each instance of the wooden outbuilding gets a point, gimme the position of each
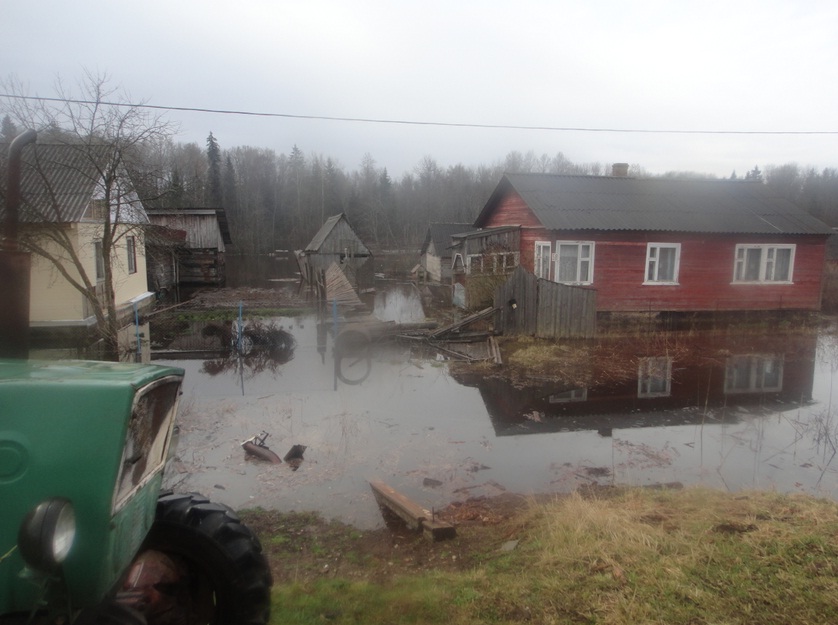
(189, 247)
(336, 242)
(435, 257)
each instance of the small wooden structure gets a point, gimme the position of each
(337, 243)
(436, 253)
(204, 235)
(416, 517)
(533, 306)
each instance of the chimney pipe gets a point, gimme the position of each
(14, 264)
(620, 170)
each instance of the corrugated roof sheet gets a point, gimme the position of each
(656, 204)
(58, 181)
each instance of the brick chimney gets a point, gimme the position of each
(620, 170)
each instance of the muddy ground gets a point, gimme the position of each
(303, 547)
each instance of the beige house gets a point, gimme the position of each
(62, 201)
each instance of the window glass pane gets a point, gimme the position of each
(753, 258)
(568, 256)
(782, 265)
(666, 264)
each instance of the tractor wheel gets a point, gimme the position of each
(200, 565)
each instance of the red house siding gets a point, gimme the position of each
(705, 281)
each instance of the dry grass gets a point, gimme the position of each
(618, 558)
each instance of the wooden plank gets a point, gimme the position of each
(411, 513)
(414, 515)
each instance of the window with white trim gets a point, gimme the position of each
(131, 246)
(654, 376)
(754, 373)
(574, 262)
(99, 260)
(763, 263)
(492, 262)
(542, 259)
(662, 263)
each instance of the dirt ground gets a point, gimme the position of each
(302, 547)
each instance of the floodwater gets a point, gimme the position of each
(729, 411)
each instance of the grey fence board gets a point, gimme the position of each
(544, 309)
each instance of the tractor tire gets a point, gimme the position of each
(224, 579)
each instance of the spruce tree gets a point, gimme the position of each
(213, 194)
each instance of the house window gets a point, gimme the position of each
(574, 262)
(764, 263)
(754, 374)
(475, 263)
(654, 377)
(131, 245)
(494, 262)
(662, 262)
(457, 265)
(542, 259)
(100, 261)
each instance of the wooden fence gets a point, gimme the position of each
(536, 307)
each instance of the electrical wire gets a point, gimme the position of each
(365, 120)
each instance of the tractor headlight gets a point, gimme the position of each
(46, 534)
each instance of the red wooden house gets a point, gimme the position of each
(655, 244)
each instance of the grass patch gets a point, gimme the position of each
(621, 557)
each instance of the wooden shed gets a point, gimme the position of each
(336, 242)
(203, 234)
(435, 257)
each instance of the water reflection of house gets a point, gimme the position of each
(629, 385)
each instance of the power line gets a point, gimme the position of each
(366, 120)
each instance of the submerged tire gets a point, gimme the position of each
(227, 580)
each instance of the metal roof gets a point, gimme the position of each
(58, 181)
(654, 204)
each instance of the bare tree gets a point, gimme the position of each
(105, 136)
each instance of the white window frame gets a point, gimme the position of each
(653, 263)
(131, 248)
(543, 259)
(579, 261)
(754, 372)
(472, 261)
(491, 263)
(767, 262)
(650, 372)
(99, 261)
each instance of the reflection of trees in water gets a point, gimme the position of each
(261, 347)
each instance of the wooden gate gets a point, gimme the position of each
(529, 305)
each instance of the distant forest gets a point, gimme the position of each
(279, 201)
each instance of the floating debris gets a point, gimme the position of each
(294, 457)
(255, 447)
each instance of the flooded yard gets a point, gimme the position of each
(725, 411)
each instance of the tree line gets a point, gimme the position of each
(279, 200)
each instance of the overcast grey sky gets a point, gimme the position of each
(741, 65)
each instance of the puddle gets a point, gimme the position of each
(727, 412)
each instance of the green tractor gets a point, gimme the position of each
(86, 536)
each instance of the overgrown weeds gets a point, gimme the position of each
(621, 557)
